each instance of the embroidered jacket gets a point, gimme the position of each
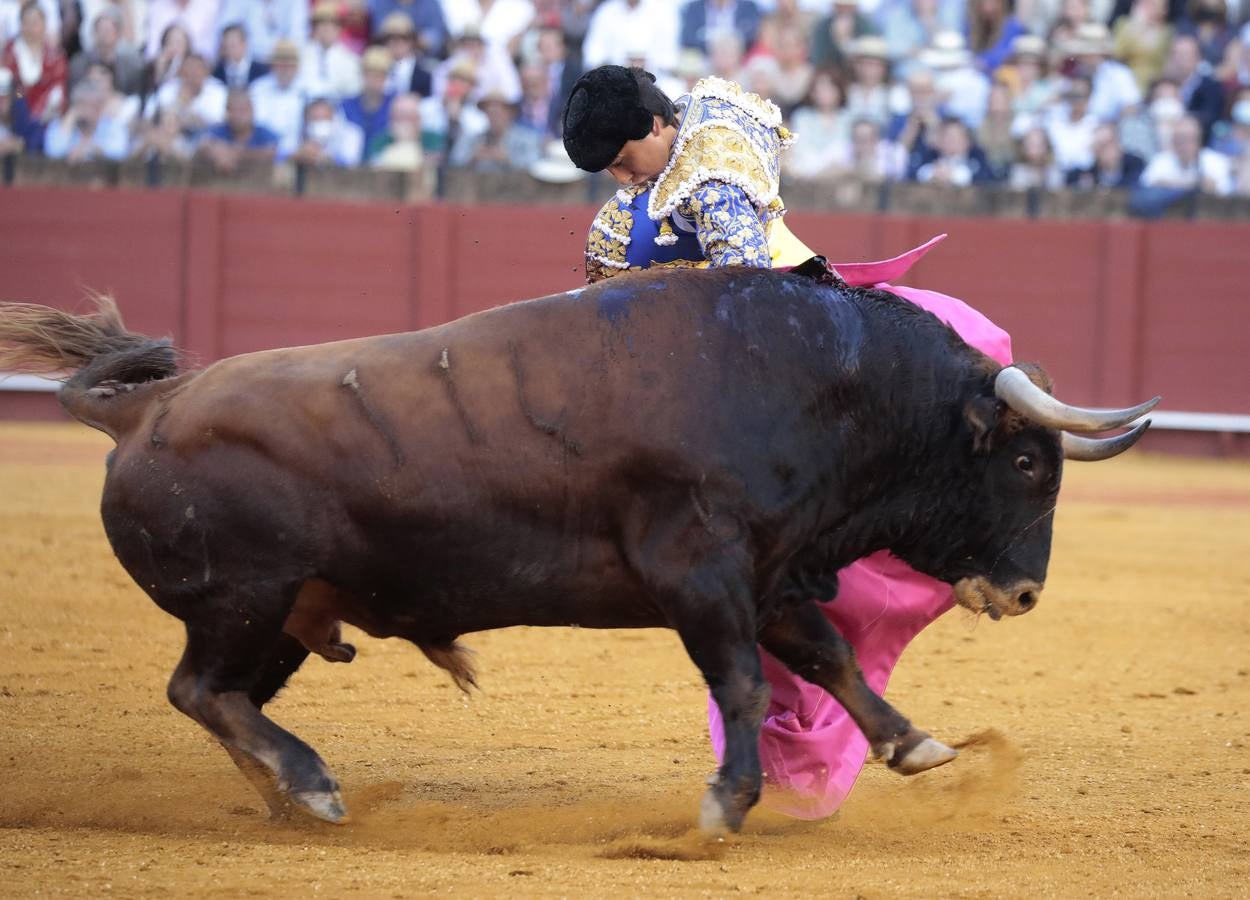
(715, 203)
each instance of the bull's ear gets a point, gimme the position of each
(983, 415)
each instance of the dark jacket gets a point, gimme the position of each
(1127, 176)
(254, 70)
(694, 24)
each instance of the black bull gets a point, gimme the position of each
(692, 450)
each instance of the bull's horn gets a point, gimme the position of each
(1086, 449)
(1014, 388)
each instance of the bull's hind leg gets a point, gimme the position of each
(235, 660)
(804, 640)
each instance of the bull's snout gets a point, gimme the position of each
(980, 596)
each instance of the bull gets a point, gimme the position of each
(690, 450)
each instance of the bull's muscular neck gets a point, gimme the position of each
(895, 442)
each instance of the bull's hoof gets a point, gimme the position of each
(327, 806)
(928, 754)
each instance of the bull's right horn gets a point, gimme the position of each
(1014, 388)
(1085, 449)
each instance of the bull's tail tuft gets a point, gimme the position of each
(457, 659)
(93, 353)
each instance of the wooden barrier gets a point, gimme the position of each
(1116, 310)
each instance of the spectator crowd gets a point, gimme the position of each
(1024, 93)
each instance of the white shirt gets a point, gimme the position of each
(209, 105)
(965, 93)
(1073, 142)
(333, 72)
(280, 109)
(618, 31)
(267, 22)
(1166, 170)
(198, 17)
(1115, 89)
(505, 20)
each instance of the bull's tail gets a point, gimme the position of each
(457, 659)
(101, 361)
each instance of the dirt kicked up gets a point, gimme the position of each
(1107, 733)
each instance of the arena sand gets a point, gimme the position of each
(1108, 733)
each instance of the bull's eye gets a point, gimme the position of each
(1024, 463)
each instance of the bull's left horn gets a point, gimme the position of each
(1085, 449)
(1014, 388)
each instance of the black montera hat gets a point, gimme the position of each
(604, 111)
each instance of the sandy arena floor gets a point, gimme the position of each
(1118, 763)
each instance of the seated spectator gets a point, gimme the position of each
(427, 17)
(371, 109)
(1147, 129)
(908, 26)
(11, 13)
(794, 75)
(1202, 95)
(564, 67)
(195, 97)
(1034, 165)
(1142, 39)
(327, 67)
(785, 14)
(238, 139)
(12, 139)
(760, 76)
(107, 47)
(410, 73)
(37, 64)
(725, 55)
(1114, 87)
(175, 46)
(118, 107)
(868, 95)
(959, 162)
(278, 98)
(162, 140)
(1233, 139)
(1070, 126)
(328, 139)
(1028, 76)
(654, 23)
(1187, 165)
(1112, 168)
(700, 19)
(446, 117)
(823, 128)
(267, 22)
(84, 133)
(504, 146)
(198, 18)
(995, 135)
(916, 131)
(501, 23)
(992, 28)
(872, 157)
(496, 73)
(963, 90)
(839, 30)
(131, 14)
(399, 147)
(236, 68)
(1208, 23)
(536, 99)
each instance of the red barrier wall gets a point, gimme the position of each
(1114, 310)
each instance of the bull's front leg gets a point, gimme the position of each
(810, 647)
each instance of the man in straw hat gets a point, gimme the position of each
(371, 109)
(1115, 88)
(699, 187)
(327, 67)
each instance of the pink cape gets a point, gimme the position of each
(810, 749)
